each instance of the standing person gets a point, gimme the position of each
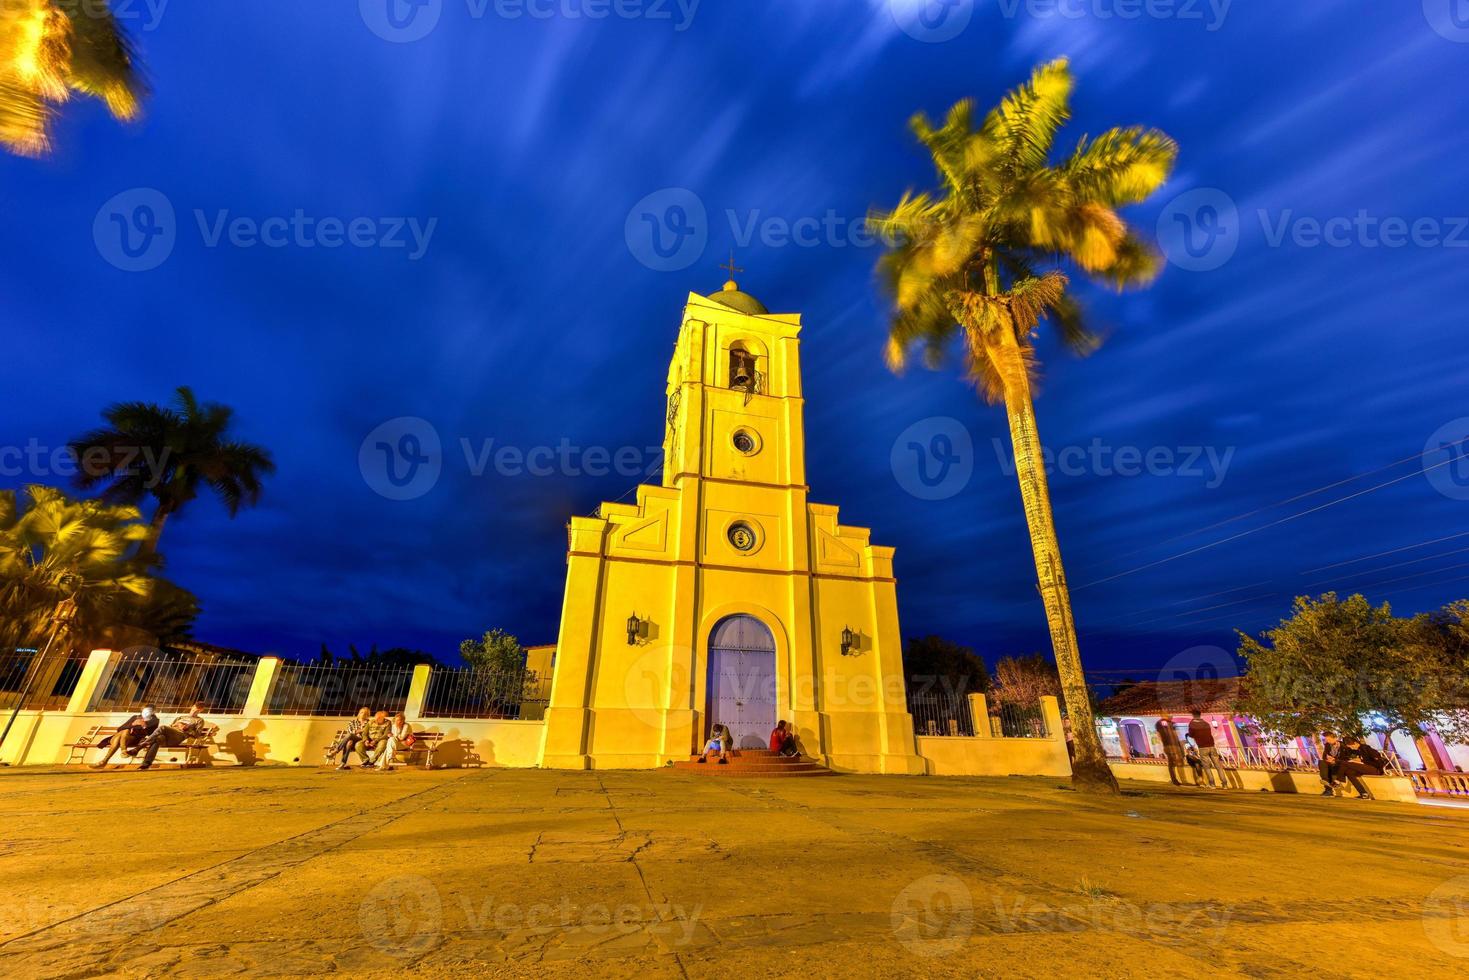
(129, 735)
(1203, 738)
(1172, 750)
(353, 738)
(399, 738)
(184, 727)
(1330, 762)
(1359, 759)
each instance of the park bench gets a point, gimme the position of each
(424, 744)
(195, 750)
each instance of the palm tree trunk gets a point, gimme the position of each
(1089, 770)
(148, 547)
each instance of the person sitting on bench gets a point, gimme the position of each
(1359, 759)
(719, 744)
(783, 740)
(184, 727)
(375, 738)
(354, 738)
(129, 735)
(399, 739)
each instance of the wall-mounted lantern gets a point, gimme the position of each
(637, 629)
(849, 641)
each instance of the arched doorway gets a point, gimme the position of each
(742, 680)
(1137, 738)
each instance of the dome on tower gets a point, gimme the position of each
(731, 297)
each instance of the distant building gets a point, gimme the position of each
(1127, 724)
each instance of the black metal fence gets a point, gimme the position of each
(476, 692)
(46, 683)
(338, 689)
(173, 681)
(1018, 719)
(941, 714)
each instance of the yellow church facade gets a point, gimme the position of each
(725, 595)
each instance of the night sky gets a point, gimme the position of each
(1267, 362)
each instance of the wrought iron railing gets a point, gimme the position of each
(338, 689)
(174, 681)
(1018, 719)
(477, 692)
(941, 714)
(45, 682)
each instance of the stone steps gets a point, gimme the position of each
(761, 763)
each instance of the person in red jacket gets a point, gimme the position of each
(782, 741)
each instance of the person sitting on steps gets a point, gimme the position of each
(783, 740)
(719, 744)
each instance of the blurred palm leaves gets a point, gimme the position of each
(50, 49)
(983, 255)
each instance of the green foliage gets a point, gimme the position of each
(1351, 667)
(57, 550)
(972, 260)
(497, 650)
(932, 663)
(170, 454)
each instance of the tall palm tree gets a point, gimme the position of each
(50, 49)
(982, 259)
(170, 454)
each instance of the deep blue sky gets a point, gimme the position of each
(530, 319)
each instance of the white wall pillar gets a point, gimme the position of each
(260, 686)
(417, 692)
(979, 713)
(87, 684)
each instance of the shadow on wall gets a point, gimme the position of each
(455, 752)
(245, 744)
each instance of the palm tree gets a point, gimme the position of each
(52, 48)
(59, 551)
(170, 454)
(982, 259)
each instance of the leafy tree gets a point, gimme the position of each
(58, 549)
(50, 49)
(932, 662)
(1349, 666)
(978, 262)
(497, 650)
(1026, 679)
(170, 454)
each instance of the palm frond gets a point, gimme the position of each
(1122, 166)
(1024, 124)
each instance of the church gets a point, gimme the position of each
(725, 595)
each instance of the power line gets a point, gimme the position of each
(1384, 554)
(1400, 564)
(1263, 527)
(1290, 500)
